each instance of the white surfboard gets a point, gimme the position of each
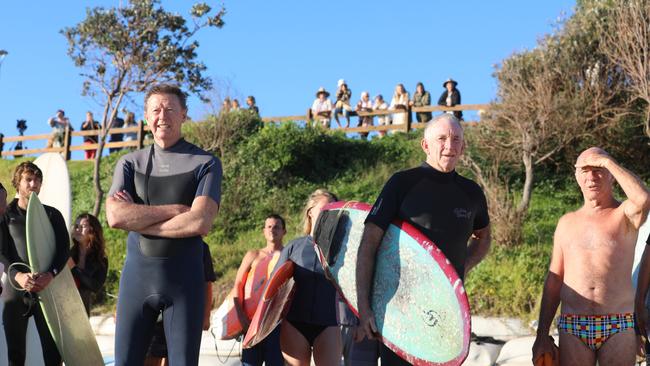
(644, 231)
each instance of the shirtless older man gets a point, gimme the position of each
(591, 265)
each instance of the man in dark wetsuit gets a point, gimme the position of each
(20, 305)
(449, 209)
(167, 196)
(157, 353)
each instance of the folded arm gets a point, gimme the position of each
(123, 213)
(197, 221)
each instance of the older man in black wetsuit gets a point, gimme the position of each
(13, 251)
(448, 208)
(167, 196)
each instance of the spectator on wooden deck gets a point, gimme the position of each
(116, 137)
(342, 106)
(250, 102)
(383, 120)
(129, 121)
(58, 123)
(421, 98)
(364, 105)
(321, 109)
(90, 125)
(400, 102)
(451, 97)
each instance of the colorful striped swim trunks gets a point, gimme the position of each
(594, 330)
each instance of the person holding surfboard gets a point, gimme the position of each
(20, 305)
(268, 350)
(449, 209)
(311, 325)
(167, 196)
(589, 273)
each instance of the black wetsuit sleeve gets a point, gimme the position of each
(386, 207)
(482, 218)
(647, 242)
(208, 266)
(93, 276)
(62, 241)
(210, 180)
(5, 244)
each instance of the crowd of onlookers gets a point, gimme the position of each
(59, 123)
(233, 105)
(323, 110)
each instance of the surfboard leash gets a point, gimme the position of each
(238, 341)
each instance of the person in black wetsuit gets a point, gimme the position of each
(157, 354)
(311, 324)
(446, 207)
(20, 305)
(167, 196)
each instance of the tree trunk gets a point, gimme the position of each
(528, 183)
(646, 127)
(107, 123)
(99, 193)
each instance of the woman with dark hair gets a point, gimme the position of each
(88, 261)
(421, 98)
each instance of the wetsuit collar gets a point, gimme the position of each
(437, 174)
(175, 147)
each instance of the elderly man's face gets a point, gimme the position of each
(165, 115)
(444, 144)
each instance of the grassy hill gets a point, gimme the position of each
(273, 169)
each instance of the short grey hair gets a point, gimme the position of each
(445, 116)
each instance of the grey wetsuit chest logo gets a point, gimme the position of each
(462, 213)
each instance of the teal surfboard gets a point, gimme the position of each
(419, 301)
(60, 301)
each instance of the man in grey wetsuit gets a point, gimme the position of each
(449, 209)
(167, 196)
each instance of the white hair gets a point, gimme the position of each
(445, 116)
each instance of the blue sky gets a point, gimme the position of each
(283, 51)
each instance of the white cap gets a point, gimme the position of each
(341, 82)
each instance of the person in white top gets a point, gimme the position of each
(383, 120)
(364, 105)
(400, 102)
(321, 109)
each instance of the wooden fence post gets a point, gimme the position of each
(140, 134)
(409, 120)
(66, 143)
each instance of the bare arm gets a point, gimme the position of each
(479, 246)
(372, 236)
(638, 198)
(550, 297)
(123, 213)
(238, 296)
(197, 221)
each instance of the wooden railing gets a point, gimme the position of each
(142, 128)
(403, 127)
(65, 150)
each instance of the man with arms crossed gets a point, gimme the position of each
(167, 196)
(591, 266)
(448, 208)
